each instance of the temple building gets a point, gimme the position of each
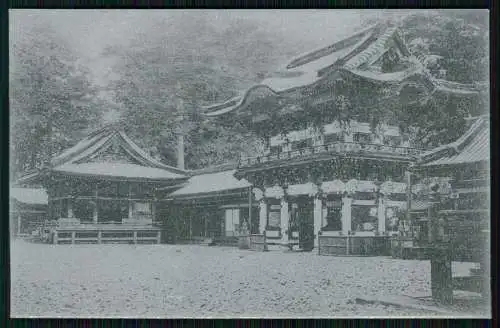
(329, 179)
(103, 189)
(463, 217)
(209, 208)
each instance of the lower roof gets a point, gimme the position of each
(123, 170)
(211, 183)
(31, 196)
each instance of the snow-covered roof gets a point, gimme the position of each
(473, 146)
(83, 158)
(211, 183)
(355, 55)
(29, 196)
(123, 170)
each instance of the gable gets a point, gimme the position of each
(115, 150)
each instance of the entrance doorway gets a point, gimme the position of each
(303, 219)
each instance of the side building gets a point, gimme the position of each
(103, 190)
(209, 208)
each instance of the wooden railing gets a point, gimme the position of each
(102, 236)
(336, 148)
(258, 243)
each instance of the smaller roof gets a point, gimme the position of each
(211, 183)
(123, 170)
(30, 196)
(472, 147)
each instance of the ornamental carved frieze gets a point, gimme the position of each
(259, 194)
(310, 189)
(389, 187)
(333, 187)
(275, 192)
(351, 187)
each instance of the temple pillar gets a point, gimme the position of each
(346, 214)
(70, 208)
(262, 216)
(95, 216)
(285, 221)
(318, 218)
(381, 214)
(19, 221)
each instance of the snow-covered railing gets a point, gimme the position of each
(336, 147)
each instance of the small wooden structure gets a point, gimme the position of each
(208, 209)
(103, 189)
(28, 210)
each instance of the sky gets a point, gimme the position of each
(90, 31)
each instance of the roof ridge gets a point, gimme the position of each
(327, 50)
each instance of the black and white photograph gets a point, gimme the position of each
(249, 163)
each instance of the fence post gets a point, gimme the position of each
(56, 235)
(99, 236)
(158, 238)
(135, 237)
(73, 236)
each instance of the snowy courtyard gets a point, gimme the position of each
(201, 281)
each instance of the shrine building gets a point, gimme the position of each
(324, 180)
(103, 189)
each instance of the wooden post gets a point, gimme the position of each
(18, 224)
(158, 238)
(135, 237)
(99, 236)
(96, 215)
(73, 236)
(250, 210)
(408, 200)
(441, 275)
(130, 204)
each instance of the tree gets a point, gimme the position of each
(164, 77)
(51, 98)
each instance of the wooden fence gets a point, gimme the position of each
(81, 236)
(353, 245)
(258, 243)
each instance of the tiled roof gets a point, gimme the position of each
(473, 146)
(80, 159)
(354, 55)
(29, 196)
(211, 183)
(123, 170)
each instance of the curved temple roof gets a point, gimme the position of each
(83, 159)
(357, 55)
(472, 147)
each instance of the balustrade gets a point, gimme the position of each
(336, 147)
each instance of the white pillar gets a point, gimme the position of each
(318, 218)
(130, 210)
(285, 222)
(18, 224)
(381, 214)
(346, 214)
(95, 212)
(262, 216)
(70, 208)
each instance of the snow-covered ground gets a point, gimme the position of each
(201, 281)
